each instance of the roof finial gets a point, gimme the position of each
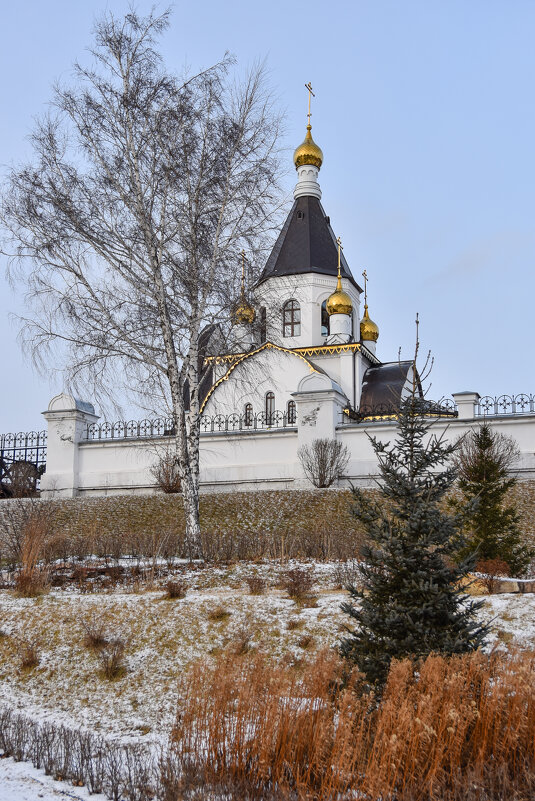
(243, 312)
(310, 96)
(340, 248)
(369, 331)
(365, 276)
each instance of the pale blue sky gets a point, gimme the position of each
(426, 117)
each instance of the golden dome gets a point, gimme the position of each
(308, 151)
(339, 302)
(243, 313)
(368, 329)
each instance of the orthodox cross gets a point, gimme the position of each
(310, 96)
(340, 248)
(365, 276)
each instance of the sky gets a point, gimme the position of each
(425, 115)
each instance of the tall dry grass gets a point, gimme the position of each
(32, 578)
(461, 728)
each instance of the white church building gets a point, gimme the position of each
(303, 365)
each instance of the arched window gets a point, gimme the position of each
(248, 415)
(291, 319)
(324, 320)
(291, 413)
(270, 407)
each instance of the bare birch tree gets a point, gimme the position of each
(127, 226)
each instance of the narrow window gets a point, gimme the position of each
(324, 320)
(291, 319)
(270, 407)
(248, 415)
(291, 414)
(263, 324)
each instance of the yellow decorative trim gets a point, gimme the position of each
(241, 357)
(317, 350)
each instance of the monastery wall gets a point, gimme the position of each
(231, 460)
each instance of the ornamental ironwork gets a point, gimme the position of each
(505, 404)
(209, 424)
(22, 462)
(131, 429)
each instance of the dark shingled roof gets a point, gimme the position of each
(382, 386)
(306, 244)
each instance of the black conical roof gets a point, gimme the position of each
(306, 244)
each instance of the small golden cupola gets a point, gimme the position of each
(243, 313)
(308, 158)
(339, 302)
(308, 151)
(369, 331)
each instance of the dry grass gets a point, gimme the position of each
(176, 588)
(460, 729)
(33, 580)
(111, 658)
(29, 652)
(256, 584)
(218, 613)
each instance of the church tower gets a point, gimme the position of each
(306, 267)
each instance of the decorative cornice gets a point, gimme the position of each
(315, 350)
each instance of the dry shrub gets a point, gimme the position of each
(454, 729)
(176, 588)
(298, 583)
(28, 649)
(256, 584)
(95, 636)
(218, 613)
(111, 657)
(294, 623)
(32, 579)
(493, 570)
(165, 472)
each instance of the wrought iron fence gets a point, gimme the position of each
(22, 460)
(131, 429)
(163, 426)
(505, 404)
(248, 422)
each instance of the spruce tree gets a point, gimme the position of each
(410, 603)
(484, 481)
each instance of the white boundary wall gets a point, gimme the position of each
(243, 460)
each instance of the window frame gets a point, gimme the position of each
(291, 413)
(291, 318)
(248, 415)
(269, 406)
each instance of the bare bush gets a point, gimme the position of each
(176, 588)
(166, 472)
(348, 574)
(95, 632)
(111, 657)
(29, 651)
(323, 461)
(298, 583)
(256, 584)
(218, 613)
(492, 570)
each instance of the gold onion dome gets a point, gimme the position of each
(368, 329)
(244, 313)
(339, 302)
(308, 151)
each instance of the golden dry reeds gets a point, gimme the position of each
(455, 729)
(32, 579)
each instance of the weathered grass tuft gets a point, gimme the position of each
(455, 729)
(176, 588)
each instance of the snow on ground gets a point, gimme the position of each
(20, 781)
(165, 636)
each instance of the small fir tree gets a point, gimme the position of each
(410, 602)
(492, 524)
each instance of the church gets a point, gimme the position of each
(303, 326)
(301, 365)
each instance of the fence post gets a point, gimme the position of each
(466, 403)
(319, 402)
(67, 420)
